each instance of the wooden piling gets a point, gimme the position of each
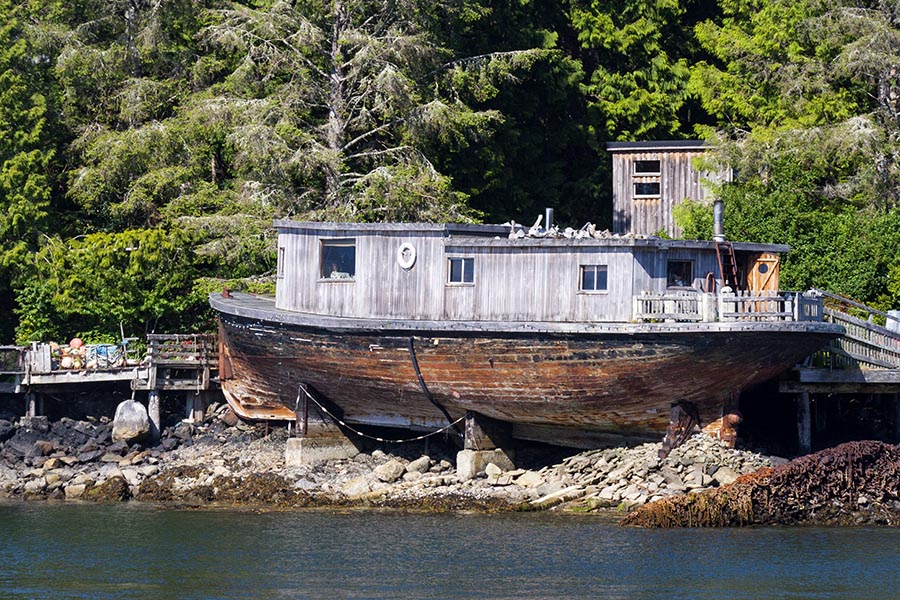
(153, 413)
(804, 424)
(896, 418)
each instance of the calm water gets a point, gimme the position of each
(86, 551)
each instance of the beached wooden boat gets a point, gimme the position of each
(577, 338)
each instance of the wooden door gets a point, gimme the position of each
(763, 274)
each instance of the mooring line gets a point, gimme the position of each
(372, 437)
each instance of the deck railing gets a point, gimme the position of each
(186, 348)
(690, 306)
(12, 360)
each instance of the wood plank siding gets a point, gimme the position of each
(530, 279)
(644, 196)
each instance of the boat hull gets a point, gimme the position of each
(618, 380)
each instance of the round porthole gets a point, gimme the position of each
(406, 255)
(763, 268)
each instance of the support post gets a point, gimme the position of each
(322, 439)
(302, 411)
(195, 408)
(153, 413)
(896, 418)
(804, 424)
(31, 404)
(484, 443)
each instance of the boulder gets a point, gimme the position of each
(7, 430)
(725, 475)
(75, 490)
(131, 423)
(492, 470)
(357, 487)
(390, 471)
(420, 465)
(230, 418)
(530, 479)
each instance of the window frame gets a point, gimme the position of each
(582, 269)
(690, 264)
(657, 194)
(279, 265)
(638, 173)
(324, 244)
(463, 260)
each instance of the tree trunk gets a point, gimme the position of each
(334, 136)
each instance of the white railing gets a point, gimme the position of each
(689, 306)
(676, 306)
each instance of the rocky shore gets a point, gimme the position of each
(223, 461)
(856, 483)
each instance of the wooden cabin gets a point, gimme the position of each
(482, 273)
(650, 178)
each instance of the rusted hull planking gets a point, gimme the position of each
(604, 382)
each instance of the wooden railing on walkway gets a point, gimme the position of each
(866, 344)
(180, 361)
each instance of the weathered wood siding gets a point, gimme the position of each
(381, 287)
(529, 282)
(677, 179)
(533, 279)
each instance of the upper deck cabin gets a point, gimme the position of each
(651, 178)
(482, 273)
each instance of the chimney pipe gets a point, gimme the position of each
(719, 220)
(548, 219)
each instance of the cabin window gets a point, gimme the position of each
(462, 270)
(680, 273)
(593, 278)
(646, 189)
(338, 259)
(646, 167)
(279, 269)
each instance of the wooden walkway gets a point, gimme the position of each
(186, 362)
(865, 359)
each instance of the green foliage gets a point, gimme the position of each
(844, 250)
(142, 279)
(186, 126)
(695, 220)
(638, 83)
(25, 156)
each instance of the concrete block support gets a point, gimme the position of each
(307, 451)
(471, 463)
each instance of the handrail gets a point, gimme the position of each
(863, 344)
(855, 304)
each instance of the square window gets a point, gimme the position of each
(646, 167)
(338, 259)
(646, 189)
(462, 270)
(679, 273)
(593, 278)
